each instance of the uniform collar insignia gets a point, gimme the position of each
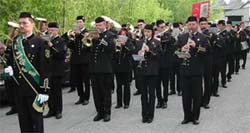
(28, 36)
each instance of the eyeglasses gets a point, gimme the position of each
(24, 23)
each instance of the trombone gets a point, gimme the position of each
(14, 27)
(40, 25)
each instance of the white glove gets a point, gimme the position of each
(42, 98)
(9, 70)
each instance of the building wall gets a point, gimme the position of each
(244, 12)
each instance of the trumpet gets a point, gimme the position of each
(71, 34)
(110, 25)
(121, 40)
(14, 27)
(137, 34)
(118, 46)
(130, 27)
(87, 39)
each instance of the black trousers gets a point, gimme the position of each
(80, 74)
(138, 79)
(230, 63)
(191, 87)
(55, 95)
(164, 78)
(11, 91)
(174, 78)
(29, 119)
(113, 82)
(123, 81)
(207, 78)
(72, 82)
(101, 86)
(223, 69)
(215, 78)
(237, 62)
(244, 57)
(148, 96)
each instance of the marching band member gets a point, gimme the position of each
(193, 45)
(244, 37)
(101, 69)
(223, 33)
(58, 53)
(165, 65)
(150, 67)
(80, 58)
(123, 68)
(30, 55)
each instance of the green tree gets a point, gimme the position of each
(183, 8)
(65, 11)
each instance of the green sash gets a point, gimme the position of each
(24, 61)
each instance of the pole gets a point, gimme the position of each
(64, 15)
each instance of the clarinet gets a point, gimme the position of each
(143, 53)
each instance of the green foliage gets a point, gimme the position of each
(215, 14)
(123, 11)
(183, 8)
(8, 13)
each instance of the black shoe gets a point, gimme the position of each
(172, 93)
(159, 105)
(137, 93)
(150, 120)
(206, 106)
(224, 86)
(185, 121)
(118, 106)
(196, 122)
(71, 90)
(11, 112)
(165, 105)
(236, 73)
(85, 102)
(229, 80)
(79, 101)
(50, 114)
(98, 117)
(179, 93)
(58, 115)
(126, 106)
(243, 67)
(106, 118)
(144, 120)
(216, 95)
